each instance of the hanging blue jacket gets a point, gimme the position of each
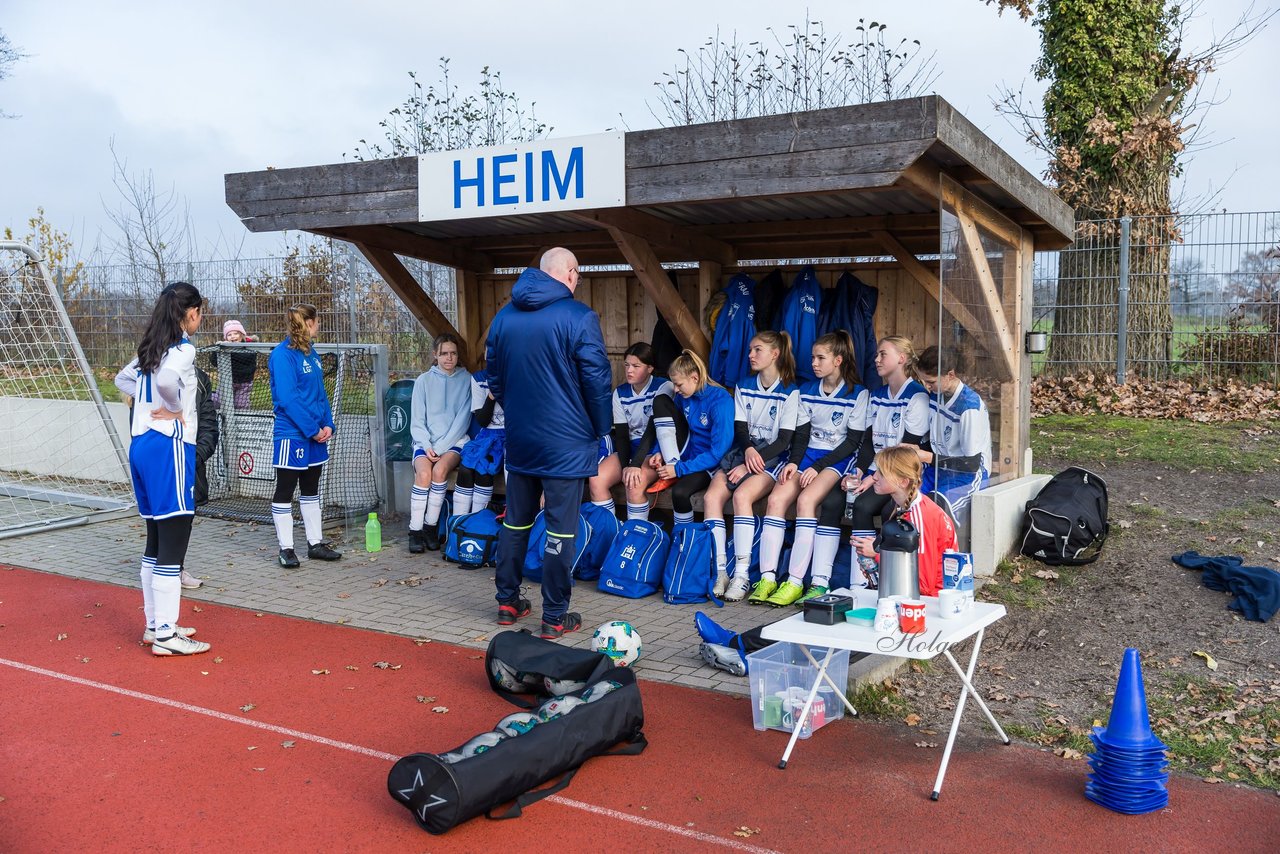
(851, 306)
(798, 317)
(548, 369)
(734, 330)
(297, 393)
(710, 417)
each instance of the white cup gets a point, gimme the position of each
(887, 614)
(951, 603)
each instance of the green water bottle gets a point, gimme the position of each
(373, 534)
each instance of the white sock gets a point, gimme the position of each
(717, 535)
(480, 497)
(166, 591)
(681, 518)
(148, 601)
(462, 500)
(801, 550)
(858, 578)
(641, 511)
(311, 518)
(282, 518)
(744, 531)
(665, 428)
(435, 501)
(417, 506)
(607, 504)
(825, 545)
(775, 528)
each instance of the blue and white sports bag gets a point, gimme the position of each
(633, 567)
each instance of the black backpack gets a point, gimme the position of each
(1067, 519)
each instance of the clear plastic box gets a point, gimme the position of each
(781, 678)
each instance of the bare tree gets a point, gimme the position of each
(9, 55)
(153, 224)
(803, 69)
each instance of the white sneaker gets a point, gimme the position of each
(722, 584)
(149, 635)
(178, 645)
(189, 581)
(737, 589)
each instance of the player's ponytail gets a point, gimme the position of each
(688, 364)
(840, 345)
(786, 361)
(299, 334)
(165, 327)
(902, 462)
(903, 345)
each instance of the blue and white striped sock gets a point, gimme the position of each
(148, 602)
(801, 549)
(775, 529)
(717, 536)
(480, 497)
(462, 498)
(166, 589)
(607, 504)
(680, 517)
(282, 518)
(641, 511)
(417, 506)
(744, 531)
(311, 518)
(435, 501)
(665, 430)
(826, 543)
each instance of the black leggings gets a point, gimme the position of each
(866, 507)
(688, 485)
(467, 478)
(167, 540)
(306, 480)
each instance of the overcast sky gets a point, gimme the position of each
(191, 91)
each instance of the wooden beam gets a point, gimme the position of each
(999, 325)
(837, 226)
(928, 280)
(709, 276)
(648, 269)
(659, 232)
(467, 290)
(955, 194)
(412, 245)
(405, 286)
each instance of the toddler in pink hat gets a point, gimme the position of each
(243, 363)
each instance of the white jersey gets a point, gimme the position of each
(891, 416)
(479, 394)
(832, 416)
(178, 366)
(961, 426)
(766, 411)
(635, 409)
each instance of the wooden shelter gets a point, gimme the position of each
(908, 194)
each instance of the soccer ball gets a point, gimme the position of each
(619, 641)
(560, 687)
(557, 706)
(518, 723)
(482, 742)
(507, 678)
(598, 690)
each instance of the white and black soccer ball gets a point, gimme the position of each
(618, 640)
(482, 742)
(518, 723)
(507, 678)
(557, 707)
(450, 757)
(598, 690)
(560, 687)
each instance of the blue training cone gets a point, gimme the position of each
(1129, 727)
(1129, 773)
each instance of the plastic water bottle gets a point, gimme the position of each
(849, 498)
(373, 534)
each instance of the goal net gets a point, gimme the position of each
(62, 461)
(240, 472)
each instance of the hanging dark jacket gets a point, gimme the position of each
(851, 306)
(798, 317)
(547, 367)
(735, 328)
(206, 434)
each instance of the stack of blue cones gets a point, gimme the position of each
(1129, 771)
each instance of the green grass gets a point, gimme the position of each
(880, 699)
(1015, 582)
(1184, 445)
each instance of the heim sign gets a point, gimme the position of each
(576, 173)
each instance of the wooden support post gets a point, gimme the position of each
(659, 232)
(709, 273)
(467, 290)
(999, 325)
(648, 270)
(1015, 397)
(405, 286)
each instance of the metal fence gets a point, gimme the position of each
(109, 304)
(1185, 296)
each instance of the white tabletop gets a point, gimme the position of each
(938, 634)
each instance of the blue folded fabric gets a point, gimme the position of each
(1256, 588)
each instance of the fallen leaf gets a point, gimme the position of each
(197, 609)
(319, 672)
(745, 831)
(421, 641)
(344, 595)
(1211, 779)
(1208, 659)
(1017, 578)
(251, 747)
(259, 769)
(382, 665)
(440, 710)
(286, 744)
(1124, 523)
(1069, 753)
(218, 660)
(380, 582)
(204, 672)
(1047, 574)
(84, 660)
(911, 719)
(926, 744)
(396, 666)
(248, 707)
(352, 667)
(259, 614)
(62, 636)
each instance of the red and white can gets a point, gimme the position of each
(910, 616)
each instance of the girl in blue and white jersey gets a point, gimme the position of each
(766, 412)
(958, 458)
(632, 411)
(162, 459)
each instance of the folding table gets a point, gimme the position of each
(938, 638)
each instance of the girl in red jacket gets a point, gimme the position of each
(897, 475)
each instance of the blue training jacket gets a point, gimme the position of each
(735, 328)
(799, 317)
(710, 417)
(297, 393)
(548, 369)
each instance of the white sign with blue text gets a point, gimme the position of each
(576, 173)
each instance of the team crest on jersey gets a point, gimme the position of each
(648, 410)
(773, 411)
(946, 433)
(306, 366)
(702, 419)
(837, 417)
(895, 419)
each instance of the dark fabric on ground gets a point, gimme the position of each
(1256, 588)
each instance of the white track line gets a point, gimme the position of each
(376, 754)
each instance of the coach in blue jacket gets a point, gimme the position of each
(548, 369)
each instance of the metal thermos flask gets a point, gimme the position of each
(899, 544)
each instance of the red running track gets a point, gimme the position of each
(105, 747)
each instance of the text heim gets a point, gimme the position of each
(503, 178)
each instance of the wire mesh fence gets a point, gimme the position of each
(1184, 296)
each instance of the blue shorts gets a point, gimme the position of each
(419, 451)
(300, 454)
(164, 475)
(956, 487)
(812, 455)
(604, 450)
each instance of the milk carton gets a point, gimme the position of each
(957, 574)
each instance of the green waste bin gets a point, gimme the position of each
(397, 408)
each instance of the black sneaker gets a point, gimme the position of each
(509, 612)
(322, 551)
(431, 536)
(570, 622)
(289, 559)
(416, 543)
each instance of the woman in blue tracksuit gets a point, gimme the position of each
(302, 431)
(693, 432)
(633, 403)
(162, 459)
(958, 458)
